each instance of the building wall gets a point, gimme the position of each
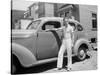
(55, 10)
(41, 12)
(33, 10)
(75, 12)
(49, 9)
(16, 15)
(85, 12)
(44, 10)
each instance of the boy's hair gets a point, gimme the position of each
(73, 25)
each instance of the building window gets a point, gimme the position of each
(94, 21)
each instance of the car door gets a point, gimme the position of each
(48, 42)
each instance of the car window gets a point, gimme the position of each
(79, 27)
(34, 24)
(51, 25)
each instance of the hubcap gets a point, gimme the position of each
(82, 54)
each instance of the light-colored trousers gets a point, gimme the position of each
(66, 45)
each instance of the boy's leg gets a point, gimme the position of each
(60, 56)
(69, 53)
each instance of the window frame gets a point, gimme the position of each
(48, 24)
(29, 26)
(94, 21)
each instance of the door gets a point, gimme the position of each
(48, 42)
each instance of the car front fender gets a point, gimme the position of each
(79, 42)
(26, 58)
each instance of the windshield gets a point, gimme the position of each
(34, 24)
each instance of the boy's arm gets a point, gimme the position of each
(58, 28)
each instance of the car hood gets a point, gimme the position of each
(22, 33)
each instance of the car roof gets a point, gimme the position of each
(55, 18)
(49, 18)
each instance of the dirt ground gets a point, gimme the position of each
(88, 64)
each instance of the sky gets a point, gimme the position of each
(21, 4)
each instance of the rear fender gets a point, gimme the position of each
(26, 58)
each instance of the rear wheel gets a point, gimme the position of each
(15, 65)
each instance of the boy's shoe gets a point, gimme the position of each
(59, 68)
(68, 68)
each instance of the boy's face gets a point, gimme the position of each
(66, 23)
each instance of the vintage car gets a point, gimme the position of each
(39, 44)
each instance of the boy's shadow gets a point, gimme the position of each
(74, 60)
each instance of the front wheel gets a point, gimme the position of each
(82, 52)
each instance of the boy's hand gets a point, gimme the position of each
(47, 29)
(54, 29)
